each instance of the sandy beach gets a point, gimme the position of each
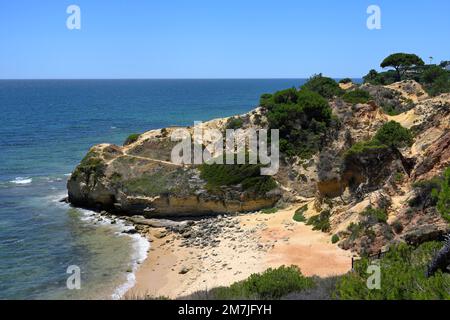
(253, 243)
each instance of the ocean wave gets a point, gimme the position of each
(21, 180)
(140, 246)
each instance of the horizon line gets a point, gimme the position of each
(275, 78)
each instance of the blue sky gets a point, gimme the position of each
(214, 38)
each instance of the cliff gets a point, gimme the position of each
(138, 178)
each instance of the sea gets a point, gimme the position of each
(46, 127)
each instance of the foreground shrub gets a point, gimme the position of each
(271, 284)
(402, 277)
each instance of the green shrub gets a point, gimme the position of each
(435, 80)
(443, 203)
(355, 229)
(302, 119)
(382, 78)
(356, 96)
(426, 193)
(247, 175)
(131, 139)
(402, 278)
(326, 87)
(91, 164)
(393, 134)
(234, 123)
(345, 80)
(375, 215)
(271, 284)
(365, 147)
(335, 239)
(321, 221)
(299, 214)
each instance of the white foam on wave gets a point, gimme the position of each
(140, 247)
(21, 180)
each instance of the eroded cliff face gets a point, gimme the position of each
(139, 179)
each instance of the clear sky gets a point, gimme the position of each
(214, 38)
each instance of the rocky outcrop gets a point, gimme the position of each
(138, 179)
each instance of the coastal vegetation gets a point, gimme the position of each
(390, 135)
(326, 87)
(435, 79)
(299, 214)
(320, 222)
(131, 139)
(356, 96)
(246, 175)
(271, 284)
(302, 117)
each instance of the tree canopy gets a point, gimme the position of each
(401, 62)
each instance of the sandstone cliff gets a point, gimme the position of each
(138, 178)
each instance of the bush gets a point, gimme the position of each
(302, 118)
(435, 80)
(321, 222)
(365, 147)
(91, 164)
(375, 215)
(403, 277)
(247, 175)
(299, 214)
(382, 78)
(131, 139)
(426, 193)
(443, 203)
(345, 80)
(335, 239)
(271, 284)
(393, 134)
(234, 123)
(326, 87)
(356, 96)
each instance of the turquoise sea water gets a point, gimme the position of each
(46, 128)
